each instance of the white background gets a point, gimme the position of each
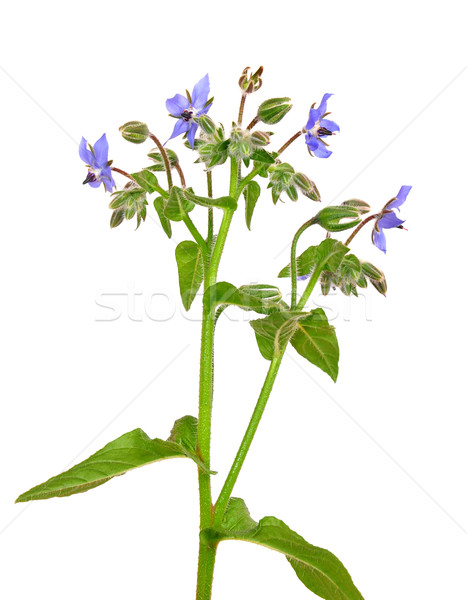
(373, 467)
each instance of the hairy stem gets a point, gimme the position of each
(178, 168)
(165, 158)
(228, 486)
(210, 210)
(206, 559)
(357, 229)
(293, 260)
(288, 142)
(240, 110)
(253, 122)
(122, 172)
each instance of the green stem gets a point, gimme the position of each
(362, 224)
(210, 210)
(226, 491)
(196, 235)
(251, 175)
(207, 553)
(206, 559)
(293, 260)
(240, 110)
(309, 288)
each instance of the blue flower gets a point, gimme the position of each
(387, 218)
(186, 109)
(97, 160)
(318, 128)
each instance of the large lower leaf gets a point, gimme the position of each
(318, 569)
(129, 451)
(190, 270)
(316, 341)
(263, 299)
(274, 332)
(326, 256)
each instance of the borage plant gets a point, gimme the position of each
(330, 263)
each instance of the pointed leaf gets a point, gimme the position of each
(251, 193)
(159, 205)
(263, 299)
(318, 569)
(262, 156)
(146, 180)
(190, 270)
(225, 202)
(326, 256)
(129, 451)
(177, 205)
(274, 332)
(316, 341)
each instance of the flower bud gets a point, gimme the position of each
(273, 110)
(376, 277)
(330, 218)
(250, 83)
(360, 205)
(207, 124)
(135, 132)
(260, 138)
(117, 218)
(326, 282)
(157, 158)
(306, 186)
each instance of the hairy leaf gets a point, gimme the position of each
(251, 193)
(129, 451)
(319, 570)
(225, 202)
(147, 180)
(263, 299)
(159, 205)
(190, 270)
(326, 256)
(274, 332)
(177, 205)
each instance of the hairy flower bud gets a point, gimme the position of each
(331, 218)
(260, 138)
(376, 277)
(273, 110)
(306, 186)
(360, 205)
(250, 83)
(207, 124)
(135, 132)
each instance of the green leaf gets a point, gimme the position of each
(263, 299)
(159, 205)
(129, 451)
(274, 332)
(225, 202)
(316, 341)
(190, 270)
(159, 161)
(326, 256)
(319, 570)
(177, 205)
(251, 193)
(262, 156)
(147, 180)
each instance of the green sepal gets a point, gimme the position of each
(159, 164)
(117, 218)
(263, 299)
(178, 204)
(129, 451)
(274, 110)
(190, 270)
(319, 570)
(159, 205)
(225, 202)
(251, 193)
(146, 180)
(327, 256)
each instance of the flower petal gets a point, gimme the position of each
(321, 151)
(400, 198)
(84, 153)
(311, 141)
(191, 134)
(303, 277)
(379, 239)
(107, 179)
(177, 105)
(101, 151)
(181, 126)
(203, 111)
(95, 184)
(312, 118)
(329, 125)
(200, 93)
(389, 220)
(322, 108)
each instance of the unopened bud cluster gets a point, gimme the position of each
(250, 82)
(159, 164)
(244, 142)
(127, 203)
(351, 275)
(283, 178)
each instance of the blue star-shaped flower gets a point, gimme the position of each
(186, 109)
(387, 218)
(317, 128)
(97, 160)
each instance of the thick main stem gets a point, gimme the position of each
(207, 553)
